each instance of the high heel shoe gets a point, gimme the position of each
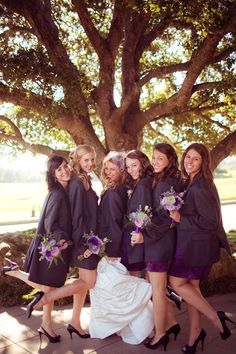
(52, 339)
(223, 318)
(11, 267)
(162, 341)
(175, 329)
(71, 329)
(35, 300)
(173, 296)
(191, 349)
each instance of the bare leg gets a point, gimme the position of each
(170, 315)
(192, 295)
(195, 324)
(19, 274)
(83, 284)
(158, 281)
(78, 300)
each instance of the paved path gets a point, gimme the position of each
(18, 335)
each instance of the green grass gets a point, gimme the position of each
(18, 199)
(226, 187)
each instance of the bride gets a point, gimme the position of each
(120, 303)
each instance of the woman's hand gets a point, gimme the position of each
(136, 237)
(175, 215)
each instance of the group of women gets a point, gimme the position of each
(179, 256)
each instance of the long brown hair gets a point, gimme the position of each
(146, 167)
(52, 165)
(75, 157)
(205, 170)
(172, 169)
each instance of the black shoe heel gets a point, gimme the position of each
(35, 300)
(162, 341)
(51, 339)
(173, 296)
(223, 318)
(71, 329)
(175, 329)
(191, 349)
(11, 267)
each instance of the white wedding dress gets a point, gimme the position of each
(120, 303)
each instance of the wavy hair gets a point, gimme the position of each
(205, 170)
(146, 167)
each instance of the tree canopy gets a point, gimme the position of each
(117, 74)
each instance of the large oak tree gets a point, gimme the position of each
(117, 74)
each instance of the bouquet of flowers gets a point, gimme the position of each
(141, 218)
(50, 248)
(95, 245)
(171, 200)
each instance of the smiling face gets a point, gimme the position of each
(133, 167)
(87, 162)
(159, 161)
(192, 163)
(63, 174)
(112, 172)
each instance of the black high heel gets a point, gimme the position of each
(175, 329)
(52, 339)
(162, 341)
(191, 349)
(35, 300)
(71, 329)
(12, 266)
(223, 318)
(173, 296)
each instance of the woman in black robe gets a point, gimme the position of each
(138, 179)
(160, 243)
(84, 207)
(112, 206)
(55, 220)
(200, 235)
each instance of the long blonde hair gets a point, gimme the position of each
(75, 157)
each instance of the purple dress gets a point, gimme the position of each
(160, 241)
(180, 270)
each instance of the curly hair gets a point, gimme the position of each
(205, 169)
(146, 167)
(117, 158)
(52, 165)
(75, 157)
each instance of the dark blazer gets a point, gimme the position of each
(84, 210)
(200, 231)
(141, 195)
(160, 241)
(55, 218)
(112, 209)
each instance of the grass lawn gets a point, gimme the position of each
(19, 199)
(226, 187)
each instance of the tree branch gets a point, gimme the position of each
(162, 71)
(29, 100)
(223, 149)
(202, 57)
(96, 40)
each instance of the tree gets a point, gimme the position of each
(117, 73)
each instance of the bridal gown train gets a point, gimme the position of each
(120, 303)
